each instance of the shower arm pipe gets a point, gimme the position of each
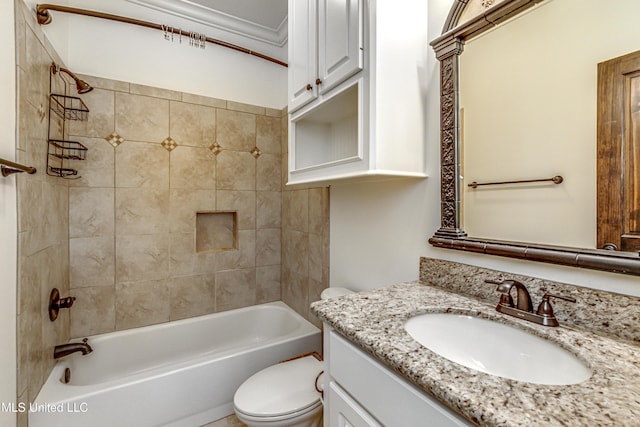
(9, 167)
(44, 18)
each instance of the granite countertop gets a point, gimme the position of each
(374, 321)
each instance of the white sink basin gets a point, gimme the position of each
(496, 349)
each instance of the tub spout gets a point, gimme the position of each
(67, 349)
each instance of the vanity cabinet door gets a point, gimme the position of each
(345, 412)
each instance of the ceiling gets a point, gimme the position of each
(262, 20)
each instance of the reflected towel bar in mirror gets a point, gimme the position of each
(556, 180)
(9, 168)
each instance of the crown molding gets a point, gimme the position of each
(219, 20)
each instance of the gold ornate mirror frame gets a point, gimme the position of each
(448, 48)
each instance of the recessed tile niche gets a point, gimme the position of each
(216, 231)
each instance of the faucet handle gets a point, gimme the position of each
(545, 308)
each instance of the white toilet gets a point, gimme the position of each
(284, 395)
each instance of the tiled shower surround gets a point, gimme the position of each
(156, 158)
(121, 238)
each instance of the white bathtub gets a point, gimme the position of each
(181, 373)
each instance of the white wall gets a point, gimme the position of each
(379, 231)
(140, 55)
(8, 216)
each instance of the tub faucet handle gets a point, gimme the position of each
(56, 303)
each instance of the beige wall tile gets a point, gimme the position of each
(91, 212)
(268, 209)
(268, 134)
(31, 365)
(295, 291)
(142, 118)
(268, 244)
(248, 108)
(315, 289)
(30, 195)
(42, 231)
(192, 125)
(184, 204)
(155, 92)
(37, 68)
(236, 171)
(32, 122)
(244, 202)
(192, 168)
(273, 112)
(204, 100)
(142, 257)
(31, 277)
(101, 118)
(185, 261)
(235, 289)
(92, 262)
(141, 211)
(192, 296)
(267, 284)
(98, 168)
(141, 164)
(316, 257)
(244, 257)
(268, 170)
(235, 130)
(141, 303)
(295, 210)
(295, 252)
(94, 311)
(319, 211)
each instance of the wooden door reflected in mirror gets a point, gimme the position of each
(619, 153)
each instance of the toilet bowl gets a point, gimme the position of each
(282, 395)
(334, 292)
(286, 394)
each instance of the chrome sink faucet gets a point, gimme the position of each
(523, 307)
(67, 349)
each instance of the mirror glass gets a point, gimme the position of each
(528, 110)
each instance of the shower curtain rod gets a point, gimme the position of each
(44, 17)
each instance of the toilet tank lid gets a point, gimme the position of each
(280, 389)
(334, 292)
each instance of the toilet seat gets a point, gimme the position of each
(280, 392)
(283, 417)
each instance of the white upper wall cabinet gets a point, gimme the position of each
(357, 88)
(325, 41)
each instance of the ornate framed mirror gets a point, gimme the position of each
(470, 19)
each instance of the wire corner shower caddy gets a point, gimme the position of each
(59, 147)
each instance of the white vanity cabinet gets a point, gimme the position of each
(361, 392)
(357, 79)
